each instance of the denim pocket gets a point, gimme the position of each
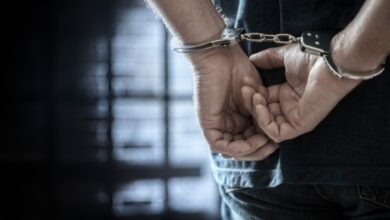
(377, 195)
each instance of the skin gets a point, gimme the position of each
(303, 101)
(219, 76)
(242, 119)
(365, 43)
(311, 92)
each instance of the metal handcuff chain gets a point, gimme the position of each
(234, 36)
(311, 42)
(273, 38)
(284, 38)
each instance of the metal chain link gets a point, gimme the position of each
(231, 36)
(274, 38)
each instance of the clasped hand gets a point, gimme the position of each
(243, 119)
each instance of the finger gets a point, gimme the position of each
(248, 86)
(268, 149)
(263, 91)
(261, 154)
(220, 146)
(239, 137)
(241, 147)
(249, 132)
(258, 99)
(255, 142)
(266, 122)
(289, 98)
(278, 128)
(258, 129)
(218, 141)
(232, 148)
(255, 85)
(287, 131)
(225, 147)
(247, 94)
(263, 117)
(227, 136)
(273, 93)
(251, 82)
(275, 109)
(269, 59)
(280, 120)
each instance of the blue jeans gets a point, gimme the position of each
(301, 202)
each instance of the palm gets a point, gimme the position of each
(225, 122)
(283, 99)
(308, 95)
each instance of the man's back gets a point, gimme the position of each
(351, 145)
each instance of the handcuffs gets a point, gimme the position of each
(311, 42)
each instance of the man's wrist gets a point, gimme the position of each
(202, 33)
(205, 23)
(206, 56)
(364, 44)
(354, 55)
(188, 20)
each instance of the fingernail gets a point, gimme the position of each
(257, 98)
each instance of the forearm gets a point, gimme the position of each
(191, 21)
(365, 42)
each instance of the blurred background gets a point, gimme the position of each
(99, 121)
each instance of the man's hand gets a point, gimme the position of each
(300, 104)
(219, 76)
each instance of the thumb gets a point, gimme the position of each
(269, 59)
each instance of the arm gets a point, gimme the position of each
(311, 92)
(365, 43)
(190, 21)
(219, 76)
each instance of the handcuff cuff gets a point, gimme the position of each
(311, 42)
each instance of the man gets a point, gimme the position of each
(311, 146)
